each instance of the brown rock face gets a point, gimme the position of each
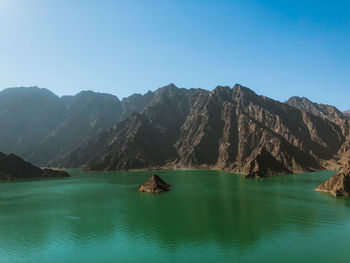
(232, 129)
(13, 167)
(322, 110)
(154, 185)
(338, 184)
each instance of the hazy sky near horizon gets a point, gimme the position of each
(277, 48)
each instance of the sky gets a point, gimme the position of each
(277, 48)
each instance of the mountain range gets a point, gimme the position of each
(228, 128)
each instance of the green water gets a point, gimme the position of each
(209, 216)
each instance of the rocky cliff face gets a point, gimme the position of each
(43, 128)
(87, 114)
(338, 184)
(334, 115)
(13, 167)
(322, 110)
(27, 115)
(142, 140)
(229, 128)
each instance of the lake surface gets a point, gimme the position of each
(209, 216)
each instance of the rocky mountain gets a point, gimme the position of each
(141, 140)
(332, 114)
(322, 110)
(347, 113)
(86, 115)
(43, 127)
(13, 167)
(229, 128)
(27, 115)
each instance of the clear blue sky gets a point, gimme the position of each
(278, 48)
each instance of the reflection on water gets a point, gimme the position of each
(209, 215)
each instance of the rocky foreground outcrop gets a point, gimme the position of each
(154, 185)
(338, 184)
(13, 167)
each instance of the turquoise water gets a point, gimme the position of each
(209, 216)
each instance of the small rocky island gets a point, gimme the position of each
(154, 185)
(13, 167)
(338, 184)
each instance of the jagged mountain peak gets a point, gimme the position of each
(322, 110)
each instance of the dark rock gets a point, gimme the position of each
(154, 185)
(13, 167)
(231, 129)
(339, 183)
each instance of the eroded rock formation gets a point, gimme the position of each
(338, 184)
(232, 129)
(154, 185)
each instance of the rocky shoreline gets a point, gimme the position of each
(338, 184)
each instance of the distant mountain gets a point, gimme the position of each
(86, 115)
(228, 128)
(231, 129)
(322, 110)
(27, 115)
(332, 114)
(42, 127)
(347, 113)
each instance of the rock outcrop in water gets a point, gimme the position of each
(13, 167)
(154, 185)
(338, 184)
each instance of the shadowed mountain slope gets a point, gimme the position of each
(27, 115)
(322, 110)
(87, 114)
(42, 127)
(232, 129)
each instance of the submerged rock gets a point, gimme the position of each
(338, 184)
(13, 167)
(154, 185)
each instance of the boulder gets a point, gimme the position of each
(154, 185)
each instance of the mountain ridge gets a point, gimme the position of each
(232, 129)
